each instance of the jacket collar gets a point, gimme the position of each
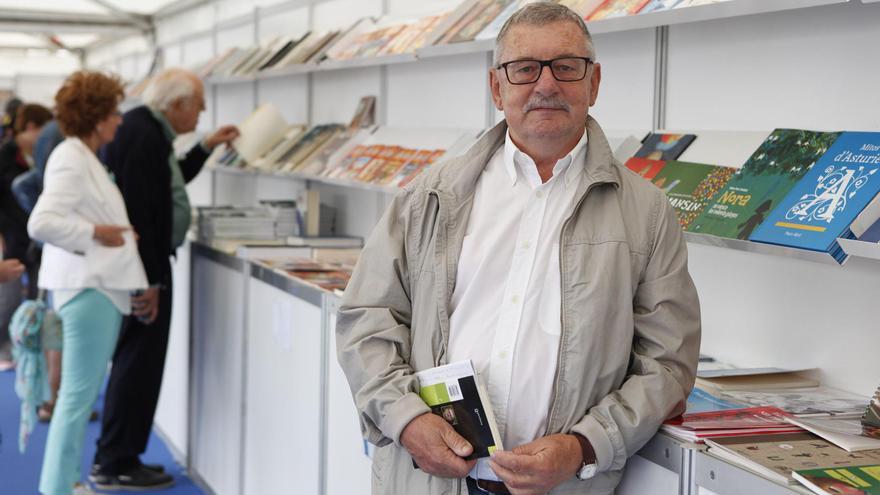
(459, 177)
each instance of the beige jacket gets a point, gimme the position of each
(630, 314)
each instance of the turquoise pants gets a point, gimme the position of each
(91, 328)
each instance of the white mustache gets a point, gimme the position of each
(553, 102)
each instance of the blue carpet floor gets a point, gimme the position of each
(20, 473)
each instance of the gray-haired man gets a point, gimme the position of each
(152, 180)
(536, 255)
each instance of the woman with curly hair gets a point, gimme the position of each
(90, 263)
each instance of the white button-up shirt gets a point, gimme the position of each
(506, 306)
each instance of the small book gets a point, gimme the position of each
(664, 146)
(723, 381)
(861, 480)
(454, 392)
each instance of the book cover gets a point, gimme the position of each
(645, 167)
(777, 456)
(861, 480)
(823, 204)
(701, 401)
(801, 401)
(492, 10)
(617, 8)
(688, 186)
(750, 417)
(663, 146)
(763, 181)
(453, 392)
(474, 12)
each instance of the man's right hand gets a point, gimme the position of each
(10, 269)
(110, 235)
(436, 447)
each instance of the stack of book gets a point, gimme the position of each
(232, 222)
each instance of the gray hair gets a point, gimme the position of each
(540, 14)
(169, 86)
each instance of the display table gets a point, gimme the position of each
(271, 411)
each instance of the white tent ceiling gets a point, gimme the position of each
(144, 7)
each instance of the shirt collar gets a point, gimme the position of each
(163, 122)
(515, 159)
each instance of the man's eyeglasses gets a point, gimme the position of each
(564, 69)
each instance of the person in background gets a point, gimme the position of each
(558, 272)
(15, 159)
(90, 263)
(27, 188)
(152, 179)
(8, 124)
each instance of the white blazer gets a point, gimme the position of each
(77, 195)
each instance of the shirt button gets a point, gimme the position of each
(502, 354)
(514, 299)
(539, 194)
(526, 245)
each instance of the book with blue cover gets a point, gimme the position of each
(823, 204)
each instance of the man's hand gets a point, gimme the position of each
(10, 269)
(538, 467)
(146, 305)
(436, 447)
(110, 235)
(222, 135)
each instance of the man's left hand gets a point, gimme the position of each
(538, 467)
(222, 135)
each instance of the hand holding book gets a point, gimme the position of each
(436, 447)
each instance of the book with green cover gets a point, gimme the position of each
(862, 480)
(454, 393)
(767, 176)
(690, 185)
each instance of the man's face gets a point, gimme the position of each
(184, 113)
(547, 108)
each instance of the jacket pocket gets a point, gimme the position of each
(550, 303)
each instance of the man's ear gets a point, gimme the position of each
(495, 87)
(595, 79)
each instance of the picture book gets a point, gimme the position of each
(700, 401)
(617, 8)
(454, 392)
(808, 401)
(690, 185)
(662, 146)
(777, 456)
(493, 9)
(763, 181)
(861, 480)
(823, 204)
(645, 167)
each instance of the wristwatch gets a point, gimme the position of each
(589, 467)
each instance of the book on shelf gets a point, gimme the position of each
(697, 427)
(645, 167)
(828, 198)
(346, 44)
(448, 21)
(364, 113)
(475, 9)
(270, 158)
(860, 480)
(259, 131)
(664, 146)
(849, 434)
(326, 280)
(689, 186)
(776, 456)
(657, 5)
(762, 182)
(582, 7)
(617, 8)
(455, 393)
(492, 9)
(809, 401)
(701, 401)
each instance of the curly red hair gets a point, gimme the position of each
(86, 98)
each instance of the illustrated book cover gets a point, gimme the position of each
(861, 480)
(664, 146)
(763, 181)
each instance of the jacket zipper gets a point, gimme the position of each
(553, 397)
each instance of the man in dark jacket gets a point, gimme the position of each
(152, 180)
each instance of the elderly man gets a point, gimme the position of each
(561, 275)
(152, 180)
